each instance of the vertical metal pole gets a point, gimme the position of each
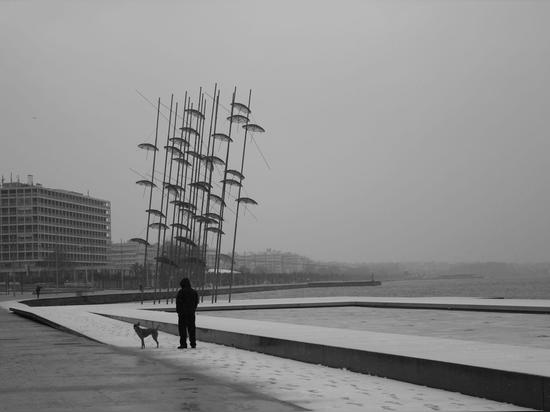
(168, 194)
(211, 143)
(179, 174)
(56, 271)
(195, 176)
(202, 225)
(157, 275)
(168, 203)
(188, 173)
(238, 204)
(192, 192)
(145, 268)
(218, 242)
(121, 271)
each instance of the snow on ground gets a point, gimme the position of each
(313, 387)
(504, 356)
(441, 300)
(520, 329)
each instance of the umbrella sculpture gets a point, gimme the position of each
(186, 200)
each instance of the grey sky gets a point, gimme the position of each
(396, 130)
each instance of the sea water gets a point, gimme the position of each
(529, 286)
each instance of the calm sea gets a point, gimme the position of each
(521, 287)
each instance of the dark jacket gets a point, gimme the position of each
(187, 300)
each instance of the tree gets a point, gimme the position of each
(57, 264)
(138, 272)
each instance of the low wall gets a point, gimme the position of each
(522, 389)
(98, 299)
(40, 319)
(95, 299)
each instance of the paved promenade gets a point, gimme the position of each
(239, 380)
(44, 369)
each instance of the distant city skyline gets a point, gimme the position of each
(396, 131)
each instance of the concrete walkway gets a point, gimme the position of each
(44, 369)
(360, 351)
(506, 373)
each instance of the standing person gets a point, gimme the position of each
(187, 301)
(37, 291)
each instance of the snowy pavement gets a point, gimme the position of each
(503, 356)
(520, 329)
(313, 387)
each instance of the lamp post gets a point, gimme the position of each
(56, 269)
(121, 268)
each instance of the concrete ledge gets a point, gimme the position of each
(98, 299)
(522, 389)
(455, 306)
(95, 299)
(388, 305)
(40, 319)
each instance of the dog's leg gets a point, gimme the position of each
(155, 336)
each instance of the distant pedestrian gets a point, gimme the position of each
(187, 301)
(37, 291)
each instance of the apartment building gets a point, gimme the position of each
(273, 261)
(39, 225)
(124, 255)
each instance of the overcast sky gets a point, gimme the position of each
(396, 130)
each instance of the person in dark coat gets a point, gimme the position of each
(187, 301)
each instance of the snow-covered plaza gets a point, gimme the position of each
(306, 385)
